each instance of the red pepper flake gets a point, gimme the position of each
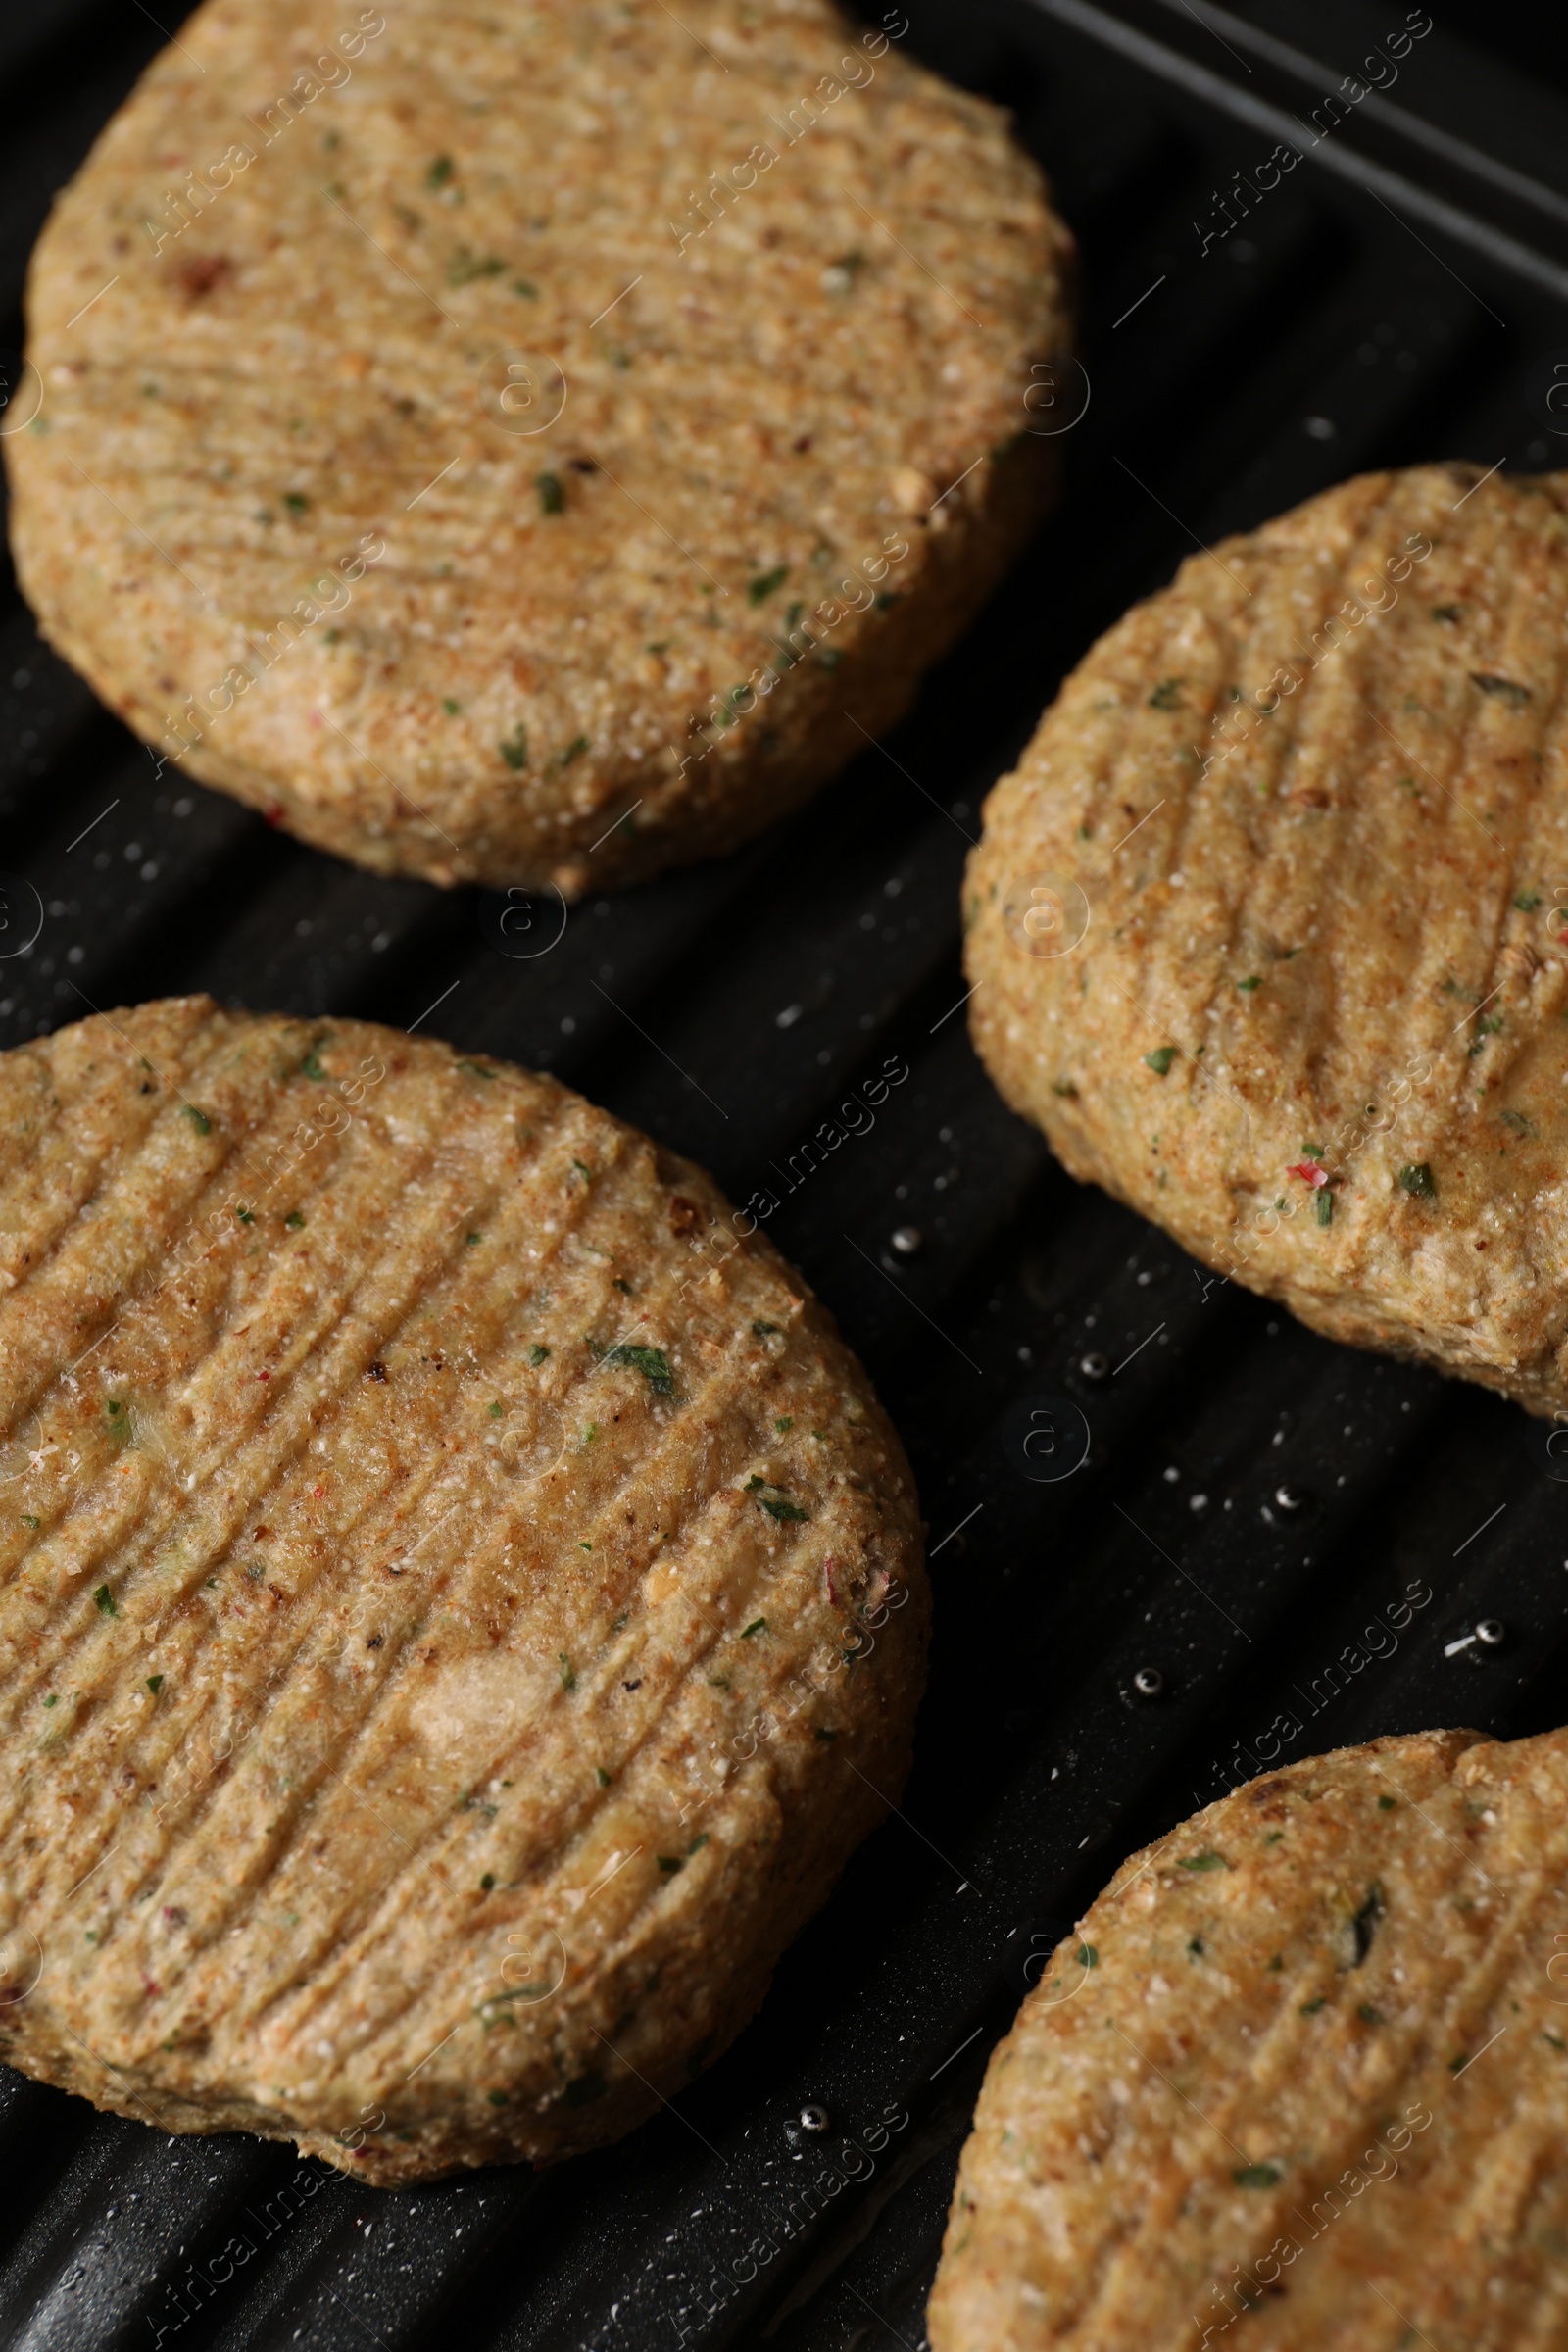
(273, 812)
(828, 1566)
(153, 1991)
(1309, 1173)
(317, 1492)
(264, 1376)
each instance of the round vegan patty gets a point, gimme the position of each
(1268, 930)
(462, 1601)
(533, 443)
(1298, 2082)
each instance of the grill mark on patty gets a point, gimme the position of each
(260, 1501)
(354, 1938)
(279, 1452)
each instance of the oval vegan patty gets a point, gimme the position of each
(533, 443)
(1269, 927)
(1298, 2082)
(462, 1604)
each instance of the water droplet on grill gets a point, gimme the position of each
(1489, 1632)
(1093, 1365)
(1291, 1498)
(815, 2118)
(907, 1240)
(1149, 1682)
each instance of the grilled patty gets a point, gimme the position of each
(1269, 927)
(1298, 2082)
(533, 443)
(460, 1601)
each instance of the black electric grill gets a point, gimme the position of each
(1273, 1545)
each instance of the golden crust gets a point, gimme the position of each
(1311, 2088)
(1308, 810)
(460, 1604)
(794, 397)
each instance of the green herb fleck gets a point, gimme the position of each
(51, 1700)
(552, 493)
(1459, 2062)
(1311, 2008)
(671, 1863)
(574, 751)
(759, 1624)
(28, 1520)
(1385, 1804)
(604, 1777)
(1447, 611)
(296, 502)
(1087, 1957)
(496, 1410)
(464, 267)
(515, 750)
(106, 1601)
(1527, 900)
(1167, 695)
(246, 1216)
(537, 1352)
(476, 1069)
(1370, 2016)
(155, 1682)
(1555, 2041)
(440, 171)
(1257, 2175)
(1417, 1181)
(1207, 1860)
(294, 1221)
(569, 1671)
(198, 1118)
(1160, 1059)
(526, 288)
(312, 1064)
(1247, 985)
(487, 1882)
(783, 1422)
(1323, 1206)
(1504, 689)
(651, 1362)
(766, 583)
(764, 1331)
(777, 1507)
